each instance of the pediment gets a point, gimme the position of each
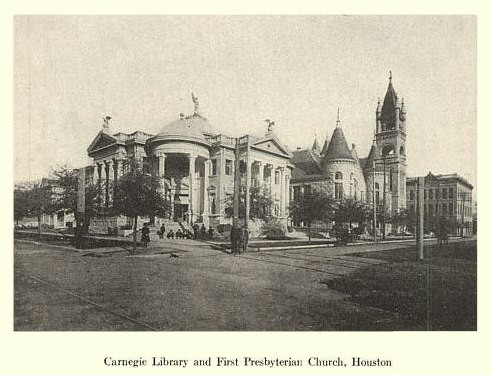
(102, 140)
(272, 145)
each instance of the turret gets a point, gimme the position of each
(378, 116)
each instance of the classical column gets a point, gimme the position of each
(110, 180)
(95, 172)
(104, 183)
(261, 169)
(162, 164)
(282, 192)
(191, 162)
(287, 194)
(205, 212)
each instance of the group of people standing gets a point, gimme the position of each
(239, 239)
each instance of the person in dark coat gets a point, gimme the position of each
(161, 231)
(179, 234)
(236, 240)
(195, 230)
(210, 232)
(170, 234)
(203, 231)
(145, 235)
(244, 239)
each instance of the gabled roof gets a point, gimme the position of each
(338, 147)
(268, 139)
(306, 163)
(102, 139)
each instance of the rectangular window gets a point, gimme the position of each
(425, 194)
(297, 192)
(431, 194)
(450, 193)
(228, 167)
(277, 177)
(444, 193)
(214, 167)
(444, 209)
(307, 189)
(412, 195)
(451, 209)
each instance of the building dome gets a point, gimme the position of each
(194, 128)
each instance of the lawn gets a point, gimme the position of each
(438, 293)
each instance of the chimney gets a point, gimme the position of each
(181, 116)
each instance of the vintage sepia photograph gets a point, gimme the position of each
(245, 173)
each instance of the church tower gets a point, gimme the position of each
(390, 144)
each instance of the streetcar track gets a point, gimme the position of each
(312, 261)
(293, 266)
(90, 302)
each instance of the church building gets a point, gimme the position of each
(338, 170)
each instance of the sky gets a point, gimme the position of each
(70, 71)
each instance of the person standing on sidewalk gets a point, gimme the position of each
(145, 235)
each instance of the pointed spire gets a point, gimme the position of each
(325, 145)
(390, 77)
(378, 108)
(316, 148)
(338, 117)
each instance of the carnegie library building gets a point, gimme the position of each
(195, 165)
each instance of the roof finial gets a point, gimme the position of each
(391, 76)
(197, 104)
(338, 117)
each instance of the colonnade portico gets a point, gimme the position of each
(106, 173)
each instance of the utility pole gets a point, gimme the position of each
(248, 182)
(420, 217)
(374, 218)
(80, 218)
(384, 198)
(237, 182)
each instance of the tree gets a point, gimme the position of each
(67, 186)
(351, 211)
(21, 208)
(404, 219)
(138, 194)
(40, 201)
(314, 205)
(260, 204)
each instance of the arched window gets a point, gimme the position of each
(390, 175)
(356, 187)
(338, 176)
(376, 185)
(402, 150)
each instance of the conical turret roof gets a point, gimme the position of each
(338, 147)
(325, 145)
(372, 155)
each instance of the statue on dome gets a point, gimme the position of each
(197, 104)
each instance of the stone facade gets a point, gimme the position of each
(379, 178)
(445, 196)
(196, 166)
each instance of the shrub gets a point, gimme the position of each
(273, 230)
